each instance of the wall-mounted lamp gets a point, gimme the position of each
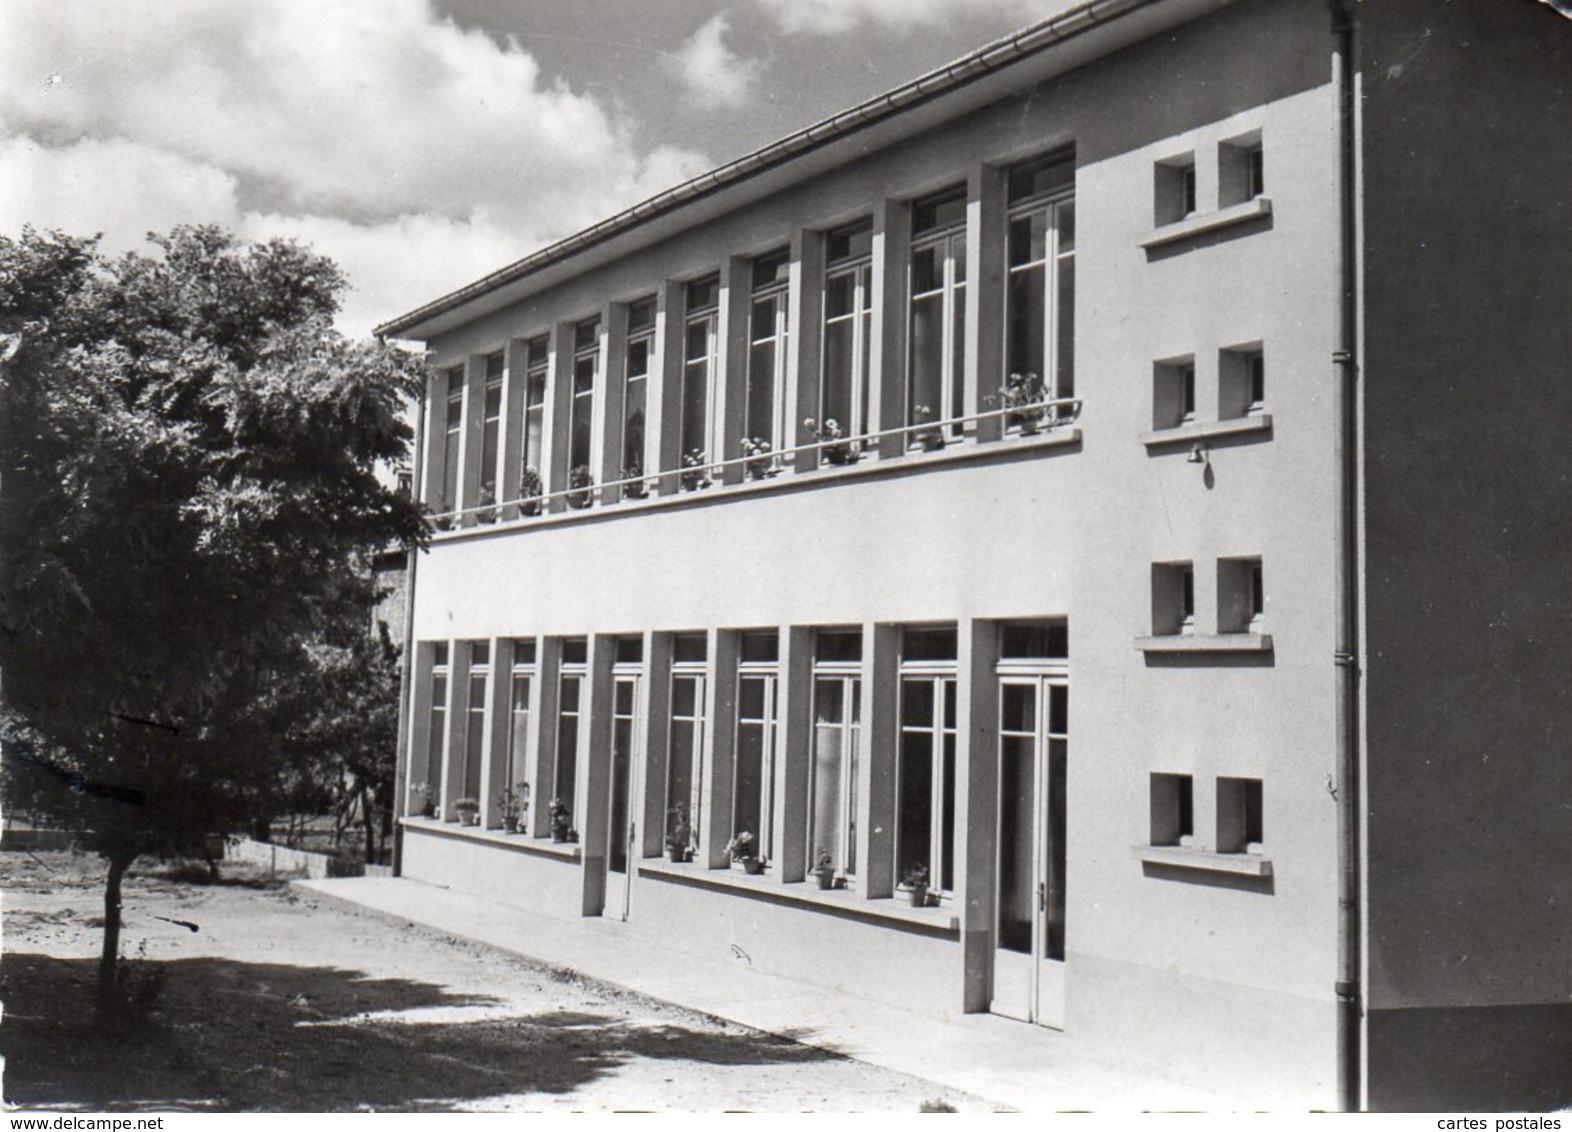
(1198, 455)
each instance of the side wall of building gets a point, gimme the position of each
(1467, 157)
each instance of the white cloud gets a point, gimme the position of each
(418, 155)
(715, 74)
(831, 17)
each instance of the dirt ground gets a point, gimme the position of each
(246, 995)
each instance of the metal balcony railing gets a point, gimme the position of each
(997, 425)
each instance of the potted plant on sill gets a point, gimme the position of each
(824, 871)
(841, 451)
(635, 487)
(694, 476)
(561, 820)
(916, 881)
(468, 810)
(1023, 395)
(581, 484)
(931, 437)
(758, 452)
(515, 804)
(420, 804)
(678, 834)
(742, 851)
(529, 492)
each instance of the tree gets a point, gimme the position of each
(188, 490)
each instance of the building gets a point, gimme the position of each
(1117, 479)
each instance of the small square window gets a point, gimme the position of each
(1241, 170)
(1241, 595)
(1173, 599)
(1174, 188)
(479, 654)
(575, 650)
(768, 270)
(851, 242)
(1173, 809)
(690, 648)
(524, 650)
(1173, 393)
(1241, 381)
(1239, 815)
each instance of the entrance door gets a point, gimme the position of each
(1028, 973)
(627, 756)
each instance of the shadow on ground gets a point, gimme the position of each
(225, 1036)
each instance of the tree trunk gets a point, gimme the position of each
(109, 959)
(370, 823)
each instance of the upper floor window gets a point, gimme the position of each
(635, 389)
(1040, 299)
(491, 433)
(586, 369)
(453, 435)
(848, 328)
(537, 354)
(765, 415)
(837, 715)
(936, 367)
(698, 370)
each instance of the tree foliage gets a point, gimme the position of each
(188, 492)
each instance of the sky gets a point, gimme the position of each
(424, 143)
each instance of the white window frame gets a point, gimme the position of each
(939, 674)
(859, 269)
(776, 337)
(844, 852)
(1058, 380)
(952, 239)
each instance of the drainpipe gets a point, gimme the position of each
(1346, 786)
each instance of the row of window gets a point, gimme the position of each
(1241, 597)
(1241, 177)
(589, 388)
(1240, 391)
(793, 794)
(1239, 816)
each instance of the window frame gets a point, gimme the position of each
(1055, 369)
(697, 432)
(942, 729)
(772, 342)
(857, 267)
(847, 675)
(950, 239)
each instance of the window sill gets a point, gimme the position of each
(1207, 430)
(1200, 224)
(802, 894)
(517, 842)
(1222, 642)
(1202, 860)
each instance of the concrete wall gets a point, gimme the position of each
(1467, 152)
(1185, 970)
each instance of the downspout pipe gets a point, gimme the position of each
(1346, 786)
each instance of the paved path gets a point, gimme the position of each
(1010, 1063)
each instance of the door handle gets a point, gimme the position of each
(1042, 897)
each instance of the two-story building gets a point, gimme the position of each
(1095, 518)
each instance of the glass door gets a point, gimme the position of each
(627, 756)
(1029, 947)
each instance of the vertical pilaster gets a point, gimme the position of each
(543, 725)
(892, 239)
(720, 737)
(494, 774)
(794, 754)
(435, 440)
(665, 385)
(609, 405)
(984, 355)
(878, 767)
(805, 320)
(657, 742)
(977, 801)
(595, 771)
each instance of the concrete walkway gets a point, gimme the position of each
(1012, 1064)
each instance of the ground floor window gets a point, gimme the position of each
(925, 770)
(570, 707)
(753, 775)
(837, 715)
(685, 744)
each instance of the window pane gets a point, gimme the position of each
(1028, 238)
(1018, 708)
(824, 835)
(684, 696)
(1064, 217)
(1017, 804)
(914, 815)
(761, 391)
(838, 345)
(567, 750)
(927, 356)
(1025, 335)
(840, 294)
(749, 785)
(927, 268)
(680, 775)
(750, 698)
(474, 736)
(518, 729)
(1066, 328)
(917, 703)
(947, 854)
(958, 257)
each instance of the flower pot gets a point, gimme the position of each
(674, 854)
(932, 441)
(510, 824)
(752, 866)
(529, 507)
(559, 836)
(919, 895)
(826, 879)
